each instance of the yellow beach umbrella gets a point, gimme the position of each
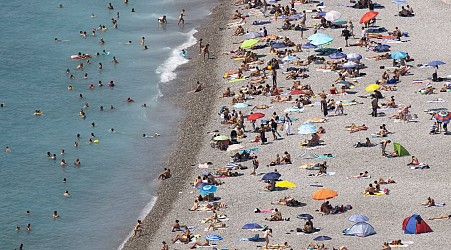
(249, 43)
(285, 184)
(372, 87)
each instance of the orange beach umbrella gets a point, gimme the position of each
(368, 16)
(324, 194)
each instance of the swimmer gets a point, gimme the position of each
(66, 194)
(8, 149)
(85, 77)
(128, 43)
(77, 162)
(117, 15)
(81, 96)
(93, 124)
(92, 135)
(125, 1)
(55, 215)
(90, 141)
(111, 84)
(143, 41)
(64, 180)
(92, 15)
(100, 66)
(133, 9)
(102, 41)
(28, 227)
(75, 144)
(114, 60)
(67, 71)
(2, 105)
(63, 162)
(162, 20)
(112, 130)
(70, 87)
(18, 228)
(53, 157)
(28, 212)
(58, 40)
(62, 151)
(86, 106)
(144, 105)
(101, 108)
(61, 5)
(72, 77)
(145, 47)
(110, 6)
(183, 53)
(100, 84)
(130, 100)
(111, 107)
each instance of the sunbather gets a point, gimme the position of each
(370, 190)
(367, 143)
(388, 181)
(201, 244)
(216, 225)
(361, 175)
(184, 237)
(177, 226)
(276, 216)
(440, 217)
(429, 203)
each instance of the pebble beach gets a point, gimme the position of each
(426, 41)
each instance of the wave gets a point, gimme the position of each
(168, 67)
(146, 210)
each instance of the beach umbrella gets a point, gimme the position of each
(349, 65)
(249, 43)
(285, 184)
(255, 116)
(305, 216)
(353, 57)
(201, 185)
(293, 109)
(443, 116)
(307, 129)
(278, 45)
(371, 88)
(345, 83)
(309, 46)
(398, 55)
(251, 225)
(241, 105)
(320, 39)
(288, 58)
(324, 194)
(340, 22)
(368, 16)
(382, 48)
(435, 63)
(208, 189)
(337, 55)
(252, 35)
(322, 238)
(221, 138)
(234, 147)
(213, 237)
(332, 15)
(271, 176)
(358, 218)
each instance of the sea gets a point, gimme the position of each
(116, 180)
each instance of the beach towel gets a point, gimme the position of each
(211, 245)
(437, 205)
(327, 174)
(380, 193)
(326, 156)
(237, 80)
(417, 81)
(264, 210)
(437, 100)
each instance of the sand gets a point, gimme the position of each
(427, 41)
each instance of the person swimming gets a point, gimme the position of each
(66, 194)
(55, 215)
(162, 20)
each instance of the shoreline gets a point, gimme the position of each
(190, 128)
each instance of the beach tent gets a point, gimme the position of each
(398, 148)
(415, 225)
(360, 229)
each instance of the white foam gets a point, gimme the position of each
(146, 210)
(168, 67)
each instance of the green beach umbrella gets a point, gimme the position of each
(249, 43)
(221, 138)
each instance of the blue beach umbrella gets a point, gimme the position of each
(288, 58)
(353, 57)
(358, 218)
(309, 46)
(322, 238)
(382, 48)
(398, 55)
(278, 45)
(208, 189)
(337, 55)
(213, 237)
(307, 128)
(349, 65)
(435, 63)
(320, 39)
(252, 225)
(340, 22)
(271, 176)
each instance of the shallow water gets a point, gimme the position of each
(117, 176)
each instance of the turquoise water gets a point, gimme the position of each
(114, 184)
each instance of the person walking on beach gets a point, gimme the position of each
(266, 236)
(274, 77)
(262, 134)
(287, 123)
(274, 129)
(205, 51)
(181, 17)
(346, 34)
(255, 164)
(200, 46)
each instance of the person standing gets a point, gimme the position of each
(374, 105)
(324, 106)
(262, 134)
(288, 123)
(346, 34)
(384, 144)
(274, 77)
(255, 165)
(302, 22)
(267, 235)
(206, 51)
(200, 46)
(363, 35)
(182, 17)
(274, 129)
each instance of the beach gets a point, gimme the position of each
(245, 193)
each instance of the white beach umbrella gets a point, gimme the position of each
(332, 15)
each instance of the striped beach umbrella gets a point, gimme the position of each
(443, 116)
(213, 237)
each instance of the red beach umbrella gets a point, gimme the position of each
(255, 116)
(368, 16)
